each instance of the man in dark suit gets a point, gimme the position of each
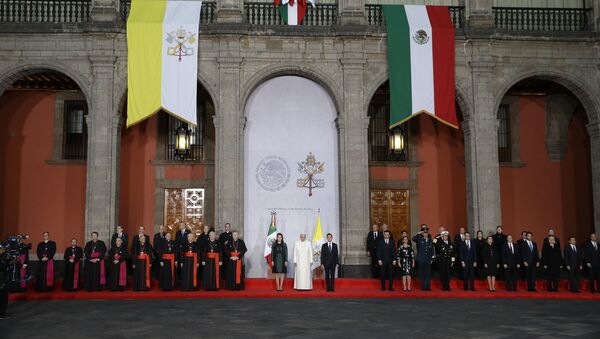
(373, 239)
(136, 239)
(511, 263)
(530, 258)
(468, 261)
(592, 261)
(329, 260)
(119, 234)
(181, 235)
(459, 240)
(386, 258)
(574, 263)
(551, 234)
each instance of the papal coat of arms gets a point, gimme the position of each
(310, 168)
(181, 42)
(421, 37)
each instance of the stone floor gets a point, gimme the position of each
(304, 318)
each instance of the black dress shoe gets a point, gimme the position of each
(390, 289)
(473, 289)
(383, 288)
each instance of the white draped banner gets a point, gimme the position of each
(290, 134)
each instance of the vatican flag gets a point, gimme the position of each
(162, 59)
(317, 242)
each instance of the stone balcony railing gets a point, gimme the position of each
(264, 14)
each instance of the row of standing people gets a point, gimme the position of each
(489, 257)
(186, 260)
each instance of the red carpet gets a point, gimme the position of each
(345, 288)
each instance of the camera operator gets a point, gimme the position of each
(4, 278)
(21, 273)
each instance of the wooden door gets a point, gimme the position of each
(391, 207)
(184, 205)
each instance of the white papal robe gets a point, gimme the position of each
(303, 257)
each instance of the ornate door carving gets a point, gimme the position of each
(391, 207)
(184, 205)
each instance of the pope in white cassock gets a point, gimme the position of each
(303, 257)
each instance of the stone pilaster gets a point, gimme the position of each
(481, 152)
(229, 124)
(479, 14)
(103, 147)
(559, 110)
(353, 124)
(595, 19)
(352, 12)
(104, 10)
(594, 133)
(230, 11)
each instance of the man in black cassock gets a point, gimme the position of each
(212, 260)
(117, 266)
(167, 258)
(95, 276)
(141, 262)
(224, 240)
(234, 271)
(73, 255)
(189, 264)
(45, 272)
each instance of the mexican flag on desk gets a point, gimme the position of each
(162, 59)
(420, 43)
(293, 11)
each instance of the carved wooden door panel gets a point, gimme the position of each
(391, 207)
(184, 205)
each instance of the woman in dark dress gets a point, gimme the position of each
(406, 261)
(279, 261)
(117, 267)
(490, 262)
(168, 261)
(480, 244)
(142, 262)
(552, 262)
(234, 270)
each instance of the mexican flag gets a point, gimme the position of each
(162, 59)
(420, 43)
(317, 241)
(271, 237)
(293, 11)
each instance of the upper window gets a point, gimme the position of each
(386, 144)
(74, 144)
(504, 138)
(196, 136)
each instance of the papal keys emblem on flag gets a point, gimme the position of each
(180, 43)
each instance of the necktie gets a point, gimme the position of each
(511, 249)
(574, 249)
(375, 235)
(329, 247)
(468, 244)
(530, 246)
(595, 246)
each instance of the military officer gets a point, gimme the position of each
(425, 255)
(444, 250)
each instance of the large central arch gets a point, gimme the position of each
(288, 118)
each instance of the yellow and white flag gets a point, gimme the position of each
(317, 242)
(162, 59)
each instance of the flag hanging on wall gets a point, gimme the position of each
(420, 44)
(293, 11)
(162, 59)
(317, 242)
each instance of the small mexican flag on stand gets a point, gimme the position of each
(420, 43)
(271, 237)
(293, 11)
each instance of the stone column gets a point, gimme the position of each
(481, 152)
(230, 11)
(229, 123)
(352, 12)
(103, 147)
(595, 15)
(354, 166)
(594, 133)
(104, 10)
(479, 14)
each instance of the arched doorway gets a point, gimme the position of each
(545, 165)
(43, 152)
(420, 179)
(290, 164)
(154, 180)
